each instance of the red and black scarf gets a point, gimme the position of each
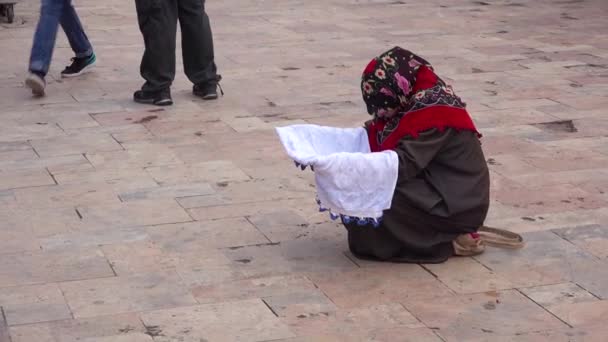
(406, 97)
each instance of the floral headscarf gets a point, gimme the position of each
(406, 97)
(388, 81)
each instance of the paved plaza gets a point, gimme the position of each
(122, 222)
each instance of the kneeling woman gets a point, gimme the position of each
(442, 193)
(418, 166)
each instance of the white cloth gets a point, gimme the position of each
(351, 181)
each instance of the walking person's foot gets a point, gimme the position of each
(36, 83)
(157, 98)
(208, 91)
(79, 66)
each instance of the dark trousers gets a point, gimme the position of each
(158, 24)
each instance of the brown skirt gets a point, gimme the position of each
(408, 235)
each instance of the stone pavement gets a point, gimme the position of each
(126, 223)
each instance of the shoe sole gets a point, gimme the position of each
(36, 87)
(206, 97)
(163, 103)
(210, 97)
(151, 102)
(84, 70)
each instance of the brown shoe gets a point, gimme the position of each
(468, 245)
(501, 238)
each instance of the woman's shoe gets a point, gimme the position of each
(468, 245)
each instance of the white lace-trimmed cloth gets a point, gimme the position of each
(352, 182)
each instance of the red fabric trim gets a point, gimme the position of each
(440, 117)
(371, 66)
(425, 79)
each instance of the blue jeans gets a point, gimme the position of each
(53, 13)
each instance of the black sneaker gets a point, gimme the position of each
(157, 98)
(79, 66)
(208, 91)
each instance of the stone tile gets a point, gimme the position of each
(301, 303)
(130, 337)
(247, 124)
(309, 255)
(253, 288)
(24, 179)
(272, 188)
(75, 144)
(4, 332)
(44, 267)
(193, 202)
(380, 335)
(128, 132)
(583, 313)
(213, 171)
(593, 239)
(210, 274)
(26, 132)
(258, 146)
(510, 117)
(133, 158)
(273, 168)
(555, 161)
(305, 207)
(497, 145)
(554, 295)
(37, 222)
(55, 165)
(570, 302)
(466, 317)
(565, 197)
(185, 128)
(77, 330)
(508, 165)
(248, 320)
(592, 277)
(546, 260)
(281, 225)
(509, 104)
(66, 119)
(565, 335)
(18, 155)
(11, 146)
(141, 257)
(128, 136)
(572, 177)
(256, 190)
(547, 221)
(126, 118)
(116, 295)
(33, 304)
(380, 316)
(65, 195)
(120, 180)
(465, 275)
(194, 149)
(201, 235)
(137, 213)
(517, 134)
(183, 191)
(12, 241)
(93, 237)
(382, 284)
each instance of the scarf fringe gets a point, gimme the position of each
(346, 219)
